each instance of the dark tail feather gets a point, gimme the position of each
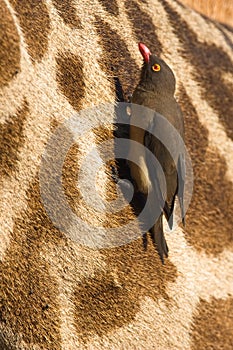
(168, 211)
(158, 238)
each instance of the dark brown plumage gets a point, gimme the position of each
(156, 90)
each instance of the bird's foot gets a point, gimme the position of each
(159, 242)
(183, 221)
(126, 186)
(114, 173)
(144, 241)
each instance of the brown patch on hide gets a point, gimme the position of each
(143, 26)
(209, 221)
(116, 61)
(67, 11)
(35, 23)
(102, 134)
(29, 303)
(213, 325)
(210, 63)
(110, 6)
(72, 188)
(73, 192)
(70, 177)
(70, 78)
(12, 140)
(112, 299)
(124, 215)
(10, 46)
(6, 344)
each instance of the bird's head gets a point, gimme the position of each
(156, 75)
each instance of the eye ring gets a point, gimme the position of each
(156, 67)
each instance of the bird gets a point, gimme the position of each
(155, 90)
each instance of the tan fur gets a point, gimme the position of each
(58, 57)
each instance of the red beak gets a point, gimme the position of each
(144, 51)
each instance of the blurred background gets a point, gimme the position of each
(220, 10)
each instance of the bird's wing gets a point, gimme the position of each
(163, 175)
(155, 170)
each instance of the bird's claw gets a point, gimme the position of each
(160, 242)
(114, 173)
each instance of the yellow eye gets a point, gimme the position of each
(156, 67)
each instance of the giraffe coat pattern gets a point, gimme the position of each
(60, 57)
